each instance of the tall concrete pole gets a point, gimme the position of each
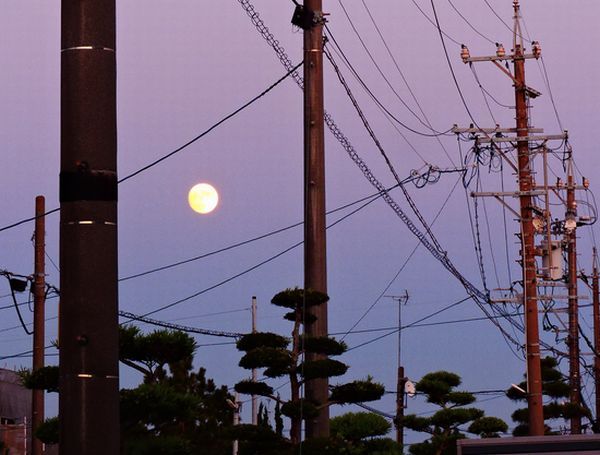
(573, 339)
(39, 301)
(534, 375)
(88, 324)
(315, 263)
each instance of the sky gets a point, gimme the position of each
(182, 66)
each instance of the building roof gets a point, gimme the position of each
(15, 400)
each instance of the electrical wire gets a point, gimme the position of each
(291, 72)
(244, 242)
(377, 101)
(469, 23)
(380, 71)
(401, 73)
(502, 20)
(16, 305)
(220, 122)
(254, 267)
(433, 23)
(395, 330)
(404, 264)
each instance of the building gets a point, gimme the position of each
(15, 414)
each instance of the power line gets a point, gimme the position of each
(181, 328)
(441, 256)
(404, 264)
(395, 330)
(379, 103)
(291, 72)
(469, 23)
(244, 242)
(220, 122)
(254, 267)
(433, 23)
(380, 71)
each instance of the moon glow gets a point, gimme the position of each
(203, 198)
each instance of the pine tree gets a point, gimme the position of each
(556, 390)
(447, 424)
(274, 353)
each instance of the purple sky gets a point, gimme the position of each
(184, 65)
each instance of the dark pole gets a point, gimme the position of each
(315, 264)
(596, 301)
(534, 374)
(573, 339)
(88, 324)
(39, 300)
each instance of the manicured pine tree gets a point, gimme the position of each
(274, 353)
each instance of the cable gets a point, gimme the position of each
(433, 23)
(223, 120)
(379, 103)
(437, 22)
(245, 242)
(480, 298)
(502, 20)
(291, 72)
(380, 148)
(404, 264)
(27, 220)
(469, 24)
(380, 71)
(435, 313)
(181, 328)
(254, 267)
(397, 66)
(16, 305)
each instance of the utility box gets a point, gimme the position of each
(552, 260)
(579, 444)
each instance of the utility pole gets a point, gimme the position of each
(525, 214)
(254, 370)
(534, 373)
(315, 261)
(88, 319)
(39, 300)
(596, 302)
(236, 406)
(573, 339)
(401, 378)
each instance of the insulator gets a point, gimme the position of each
(586, 183)
(536, 49)
(464, 53)
(500, 52)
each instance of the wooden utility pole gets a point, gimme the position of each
(315, 263)
(596, 305)
(254, 370)
(39, 300)
(534, 374)
(573, 339)
(88, 319)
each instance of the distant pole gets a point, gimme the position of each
(254, 370)
(39, 300)
(315, 263)
(596, 301)
(534, 371)
(88, 316)
(236, 421)
(573, 339)
(401, 378)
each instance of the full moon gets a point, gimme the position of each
(203, 198)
